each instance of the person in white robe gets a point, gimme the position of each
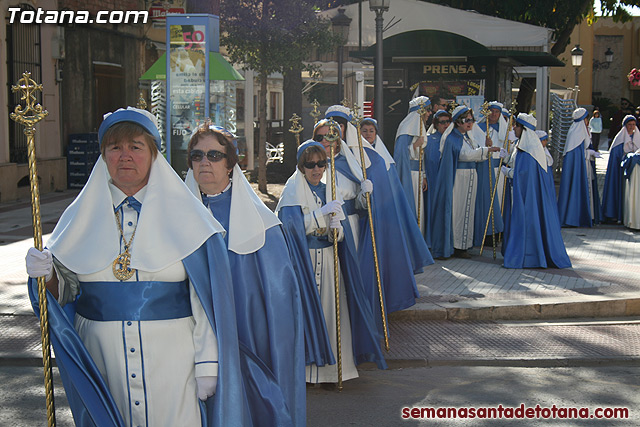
(126, 231)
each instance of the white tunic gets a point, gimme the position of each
(149, 366)
(631, 203)
(323, 266)
(464, 194)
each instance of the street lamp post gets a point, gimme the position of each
(576, 61)
(340, 24)
(379, 7)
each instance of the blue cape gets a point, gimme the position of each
(432, 162)
(533, 238)
(573, 197)
(417, 246)
(88, 395)
(612, 197)
(483, 203)
(441, 225)
(628, 163)
(363, 330)
(269, 319)
(395, 266)
(403, 166)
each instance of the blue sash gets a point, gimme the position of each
(349, 207)
(318, 242)
(495, 162)
(116, 301)
(415, 165)
(466, 165)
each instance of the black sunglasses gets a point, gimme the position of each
(318, 138)
(468, 120)
(443, 122)
(311, 165)
(212, 155)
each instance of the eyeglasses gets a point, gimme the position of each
(444, 122)
(311, 165)
(212, 155)
(468, 120)
(318, 138)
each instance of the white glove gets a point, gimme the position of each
(505, 170)
(366, 186)
(335, 223)
(503, 153)
(594, 153)
(332, 207)
(39, 264)
(206, 387)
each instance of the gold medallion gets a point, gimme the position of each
(121, 269)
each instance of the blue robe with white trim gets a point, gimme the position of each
(364, 336)
(612, 197)
(269, 319)
(574, 195)
(483, 200)
(88, 394)
(533, 238)
(432, 163)
(441, 225)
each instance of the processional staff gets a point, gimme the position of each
(512, 110)
(485, 113)
(506, 143)
(421, 111)
(333, 136)
(28, 117)
(296, 127)
(356, 122)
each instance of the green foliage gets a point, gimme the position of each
(273, 36)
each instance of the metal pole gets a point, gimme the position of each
(577, 86)
(340, 85)
(378, 104)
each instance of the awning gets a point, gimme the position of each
(428, 45)
(219, 69)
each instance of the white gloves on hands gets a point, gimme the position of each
(39, 264)
(366, 186)
(335, 223)
(206, 387)
(503, 153)
(505, 170)
(332, 207)
(594, 154)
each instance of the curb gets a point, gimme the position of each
(509, 310)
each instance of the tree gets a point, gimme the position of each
(269, 37)
(561, 15)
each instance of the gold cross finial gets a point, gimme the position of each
(32, 113)
(296, 127)
(142, 103)
(315, 113)
(355, 117)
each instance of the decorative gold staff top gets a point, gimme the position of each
(142, 103)
(28, 117)
(315, 113)
(356, 120)
(296, 127)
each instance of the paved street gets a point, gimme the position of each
(479, 335)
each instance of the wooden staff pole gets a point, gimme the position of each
(333, 136)
(28, 117)
(356, 122)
